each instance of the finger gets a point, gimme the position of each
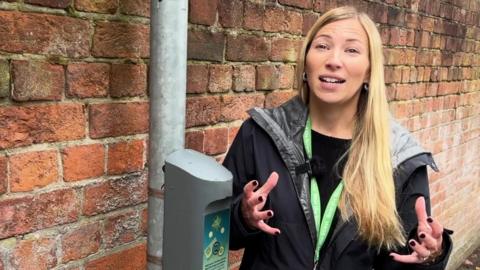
(429, 242)
(411, 258)
(269, 184)
(437, 228)
(421, 210)
(250, 187)
(263, 215)
(255, 201)
(266, 228)
(421, 250)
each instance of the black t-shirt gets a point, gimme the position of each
(327, 151)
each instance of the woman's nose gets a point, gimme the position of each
(333, 61)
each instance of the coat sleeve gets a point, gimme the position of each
(416, 185)
(240, 162)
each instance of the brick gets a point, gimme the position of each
(378, 12)
(253, 16)
(230, 13)
(114, 194)
(277, 98)
(50, 3)
(204, 45)
(412, 20)
(281, 20)
(144, 222)
(287, 74)
(396, 16)
(309, 20)
(393, 56)
(202, 111)
(405, 74)
(44, 34)
(246, 48)
(36, 253)
(121, 229)
(203, 11)
(197, 78)
(404, 92)
(86, 80)
(220, 79)
(99, 6)
(244, 78)
(125, 157)
(306, 4)
(83, 162)
(128, 80)
(285, 50)
(234, 107)
(26, 125)
(32, 170)
(232, 133)
(81, 242)
(16, 216)
(118, 39)
(117, 119)
(37, 81)
(134, 258)
(267, 77)
(135, 7)
(4, 79)
(55, 208)
(216, 141)
(194, 140)
(3, 175)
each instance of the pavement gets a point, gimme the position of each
(472, 262)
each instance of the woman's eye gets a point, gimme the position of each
(321, 46)
(351, 50)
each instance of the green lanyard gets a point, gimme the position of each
(321, 224)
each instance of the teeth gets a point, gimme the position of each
(331, 80)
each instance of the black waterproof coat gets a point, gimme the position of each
(271, 140)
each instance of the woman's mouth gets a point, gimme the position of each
(331, 79)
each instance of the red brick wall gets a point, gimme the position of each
(242, 54)
(74, 111)
(73, 134)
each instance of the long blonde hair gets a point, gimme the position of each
(369, 190)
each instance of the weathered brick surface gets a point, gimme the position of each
(102, 6)
(202, 110)
(4, 79)
(203, 11)
(116, 39)
(82, 162)
(50, 3)
(86, 80)
(194, 140)
(216, 141)
(25, 125)
(203, 45)
(246, 48)
(115, 193)
(230, 13)
(37, 81)
(253, 16)
(32, 170)
(287, 75)
(297, 3)
(116, 119)
(29, 213)
(285, 50)
(220, 79)
(235, 107)
(128, 80)
(3, 175)
(34, 254)
(81, 242)
(282, 20)
(134, 258)
(121, 229)
(244, 78)
(197, 78)
(125, 157)
(44, 34)
(135, 7)
(267, 77)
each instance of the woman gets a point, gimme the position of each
(339, 185)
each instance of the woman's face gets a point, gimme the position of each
(337, 63)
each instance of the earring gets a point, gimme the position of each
(304, 76)
(365, 87)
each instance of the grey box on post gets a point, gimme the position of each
(198, 191)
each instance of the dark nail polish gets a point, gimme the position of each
(260, 199)
(412, 243)
(422, 235)
(277, 233)
(269, 213)
(391, 257)
(430, 220)
(255, 183)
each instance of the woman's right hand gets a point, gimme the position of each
(253, 202)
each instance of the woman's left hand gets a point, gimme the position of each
(429, 232)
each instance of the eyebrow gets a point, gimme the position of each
(329, 37)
